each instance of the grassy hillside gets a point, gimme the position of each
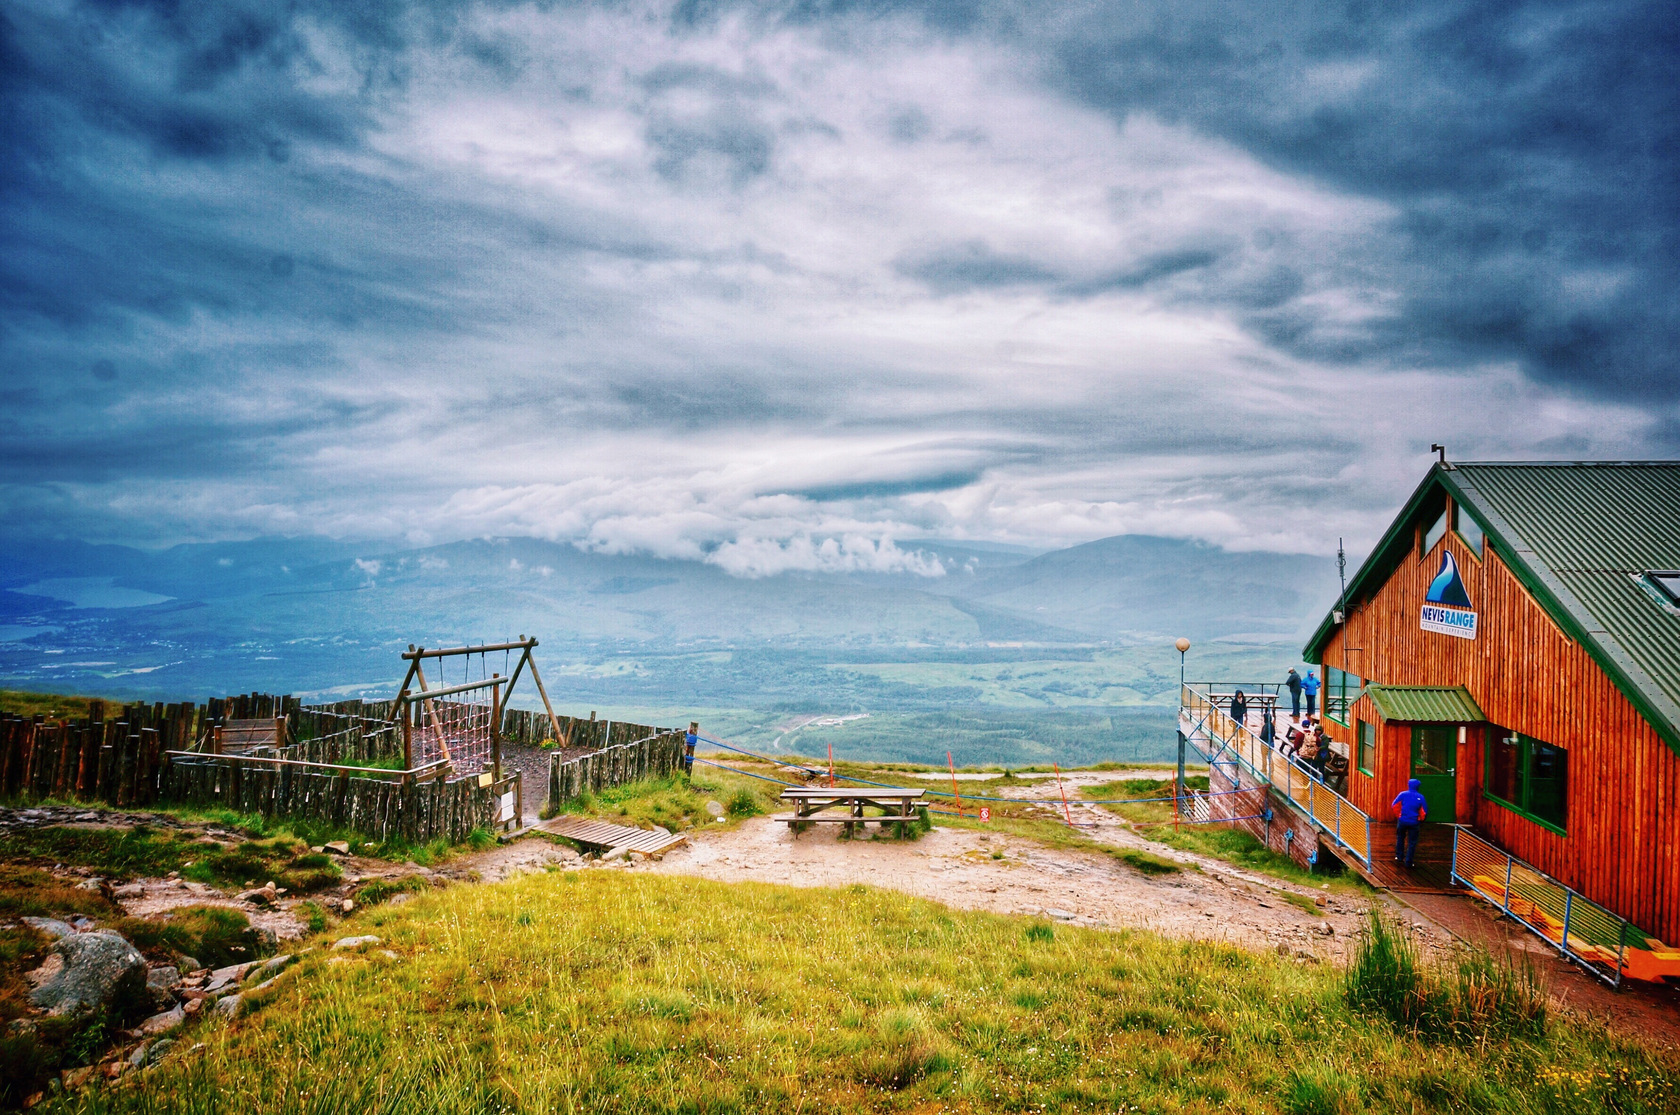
(604, 991)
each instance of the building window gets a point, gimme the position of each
(1664, 587)
(1504, 780)
(1470, 530)
(1341, 689)
(1367, 747)
(1529, 776)
(1437, 530)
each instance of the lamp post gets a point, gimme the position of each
(1182, 645)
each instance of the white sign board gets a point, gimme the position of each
(507, 807)
(1458, 622)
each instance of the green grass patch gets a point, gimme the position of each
(1473, 1000)
(120, 853)
(1232, 845)
(675, 802)
(381, 890)
(53, 706)
(1301, 902)
(212, 935)
(626, 992)
(127, 853)
(1150, 865)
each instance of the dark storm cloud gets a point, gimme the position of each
(959, 267)
(1533, 151)
(882, 489)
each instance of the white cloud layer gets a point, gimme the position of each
(764, 294)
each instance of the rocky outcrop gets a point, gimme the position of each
(86, 972)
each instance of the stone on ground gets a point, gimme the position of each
(52, 927)
(164, 1022)
(87, 972)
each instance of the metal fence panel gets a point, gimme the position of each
(1575, 925)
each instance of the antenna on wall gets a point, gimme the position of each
(1341, 571)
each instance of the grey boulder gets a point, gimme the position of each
(87, 972)
(52, 927)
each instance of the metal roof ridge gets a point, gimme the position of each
(1647, 462)
(1566, 608)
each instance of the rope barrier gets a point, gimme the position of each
(947, 813)
(745, 773)
(814, 771)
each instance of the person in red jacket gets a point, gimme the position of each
(1410, 809)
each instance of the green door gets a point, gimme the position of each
(1435, 766)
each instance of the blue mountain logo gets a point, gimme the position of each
(1447, 588)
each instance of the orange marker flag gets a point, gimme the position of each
(952, 764)
(1066, 813)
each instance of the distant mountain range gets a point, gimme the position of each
(314, 609)
(1132, 586)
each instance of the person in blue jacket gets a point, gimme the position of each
(1410, 809)
(1309, 686)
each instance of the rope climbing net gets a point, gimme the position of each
(455, 729)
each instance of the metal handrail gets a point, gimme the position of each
(1539, 902)
(204, 758)
(1247, 750)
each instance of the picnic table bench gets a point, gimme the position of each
(897, 805)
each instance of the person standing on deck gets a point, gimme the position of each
(1309, 686)
(1410, 809)
(1239, 708)
(1293, 681)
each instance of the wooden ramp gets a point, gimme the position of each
(599, 834)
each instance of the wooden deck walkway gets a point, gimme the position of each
(1431, 872)
(599, 834)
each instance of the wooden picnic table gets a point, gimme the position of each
(896, 803)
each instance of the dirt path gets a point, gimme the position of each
(981, 871)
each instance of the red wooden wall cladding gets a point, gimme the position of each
(1623, 825)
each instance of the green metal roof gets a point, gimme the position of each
(1423, 704)
(1580, 536)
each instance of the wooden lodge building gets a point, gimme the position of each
(1514, 643)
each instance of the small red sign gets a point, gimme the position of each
(985, 812)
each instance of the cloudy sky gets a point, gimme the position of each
(784, 286)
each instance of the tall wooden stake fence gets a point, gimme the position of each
(416, 809)
(533, 729)
(660, 752)
(156, 753)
